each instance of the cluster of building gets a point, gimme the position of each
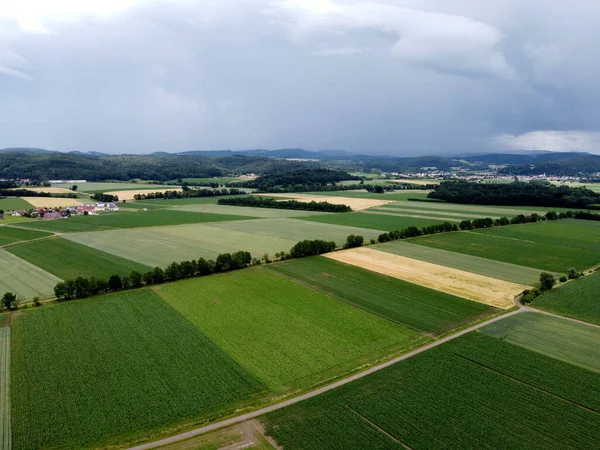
(64, 213)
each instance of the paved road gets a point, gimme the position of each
(275, 407)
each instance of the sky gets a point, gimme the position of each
(399, 77)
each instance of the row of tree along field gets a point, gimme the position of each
(268, 202)
(487, 222)
(186, 192)
(82, 287)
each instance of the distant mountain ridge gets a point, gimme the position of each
(36, 162)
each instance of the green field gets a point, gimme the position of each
(578, 299)
(297, 230)
(405, 303)
(267, 213)
(118, 368)
(119, 220)
(5, 434)
(553, 246)
(68, 260)
(474, 264)
(434, 213)
(286, 335)
(10, 235)
(562, 339)
(23, 278)
(373, 221)
(14, 204)
(398, 195)
(160, 246)
(473, 392)
(116, 186)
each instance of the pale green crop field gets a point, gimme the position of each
(267, 213)
(474, 264)
(5, 434)
(159, 246)
(107, 187)
(298, 230)
(448, 214)
(23, 278)
(467, 210)
(561, 339)
(443, 217)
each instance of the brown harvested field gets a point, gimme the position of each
(128, 195)
(52, 202)
(355, 203)
(479, 288)
(49, 190)
(419, 182)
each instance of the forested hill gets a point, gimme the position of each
(161, 167)
(534, 193)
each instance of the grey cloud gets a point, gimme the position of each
(386, 76)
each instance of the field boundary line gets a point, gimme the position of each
(268, 409)
(525, 383)
(378, 428)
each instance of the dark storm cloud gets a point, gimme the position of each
(399, 77)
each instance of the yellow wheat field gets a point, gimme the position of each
(52, 202)
(355, 203)
(128, 195)
(49, 190)
(479, 288)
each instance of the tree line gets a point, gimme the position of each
(83, 287)
(487, 222)
(190, 193)
(534, 193)
(30, 193)
(268, 202)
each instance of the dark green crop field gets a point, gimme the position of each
(68, 260)
(552, 246)
(117, 368)
(474, 392)
(140, 219)
(578, 298)
(408, 304)
(373, 221)
(10, 235)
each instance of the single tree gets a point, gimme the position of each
(115, 283)
(547, 281)
(573, 273)
(74, 187)
(135, 279)
(9, 300)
